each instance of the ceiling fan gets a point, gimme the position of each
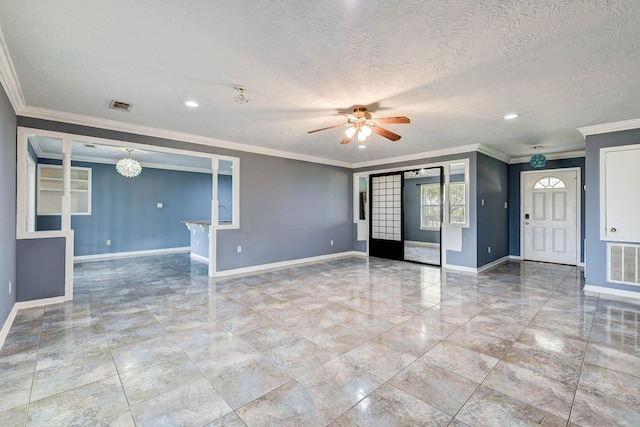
(361, 122)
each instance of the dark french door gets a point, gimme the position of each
(386, 237)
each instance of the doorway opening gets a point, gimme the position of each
(550, 216)
(423, 212)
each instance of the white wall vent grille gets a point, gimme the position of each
(623, 264)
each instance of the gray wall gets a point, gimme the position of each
(289, 209)
(596, 250)
(7, 207)
(468, 256)
(40, 268)
(514, 199)
(493, 186)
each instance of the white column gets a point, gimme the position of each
(213, 230)
(66, 185)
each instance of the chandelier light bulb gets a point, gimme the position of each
(350, 132)
(128, 167)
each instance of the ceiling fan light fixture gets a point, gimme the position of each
(361, 136)
(350, 132)
(366, 130)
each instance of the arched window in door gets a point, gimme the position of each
(549, 182)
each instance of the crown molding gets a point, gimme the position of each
(417, 156)
(89, 159)
(82, 120)
(9, 78)
(609, 127)
(491, 152)
(551, 156)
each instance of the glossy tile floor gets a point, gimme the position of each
(356, 341)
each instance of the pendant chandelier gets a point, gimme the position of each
(538, 160)
(128, 167)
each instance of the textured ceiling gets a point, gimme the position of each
(454, 67)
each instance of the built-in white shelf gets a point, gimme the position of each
(50, 190)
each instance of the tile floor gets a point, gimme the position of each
(351, 342)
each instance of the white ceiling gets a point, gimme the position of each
(454, 67)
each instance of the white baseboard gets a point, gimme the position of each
(131, 254)
(611, 291)
(291, 263)
(515, 257)
(39, 302)
(19, 306)
(493, 264)
(199, 258)
(473, 270)
(7, 325)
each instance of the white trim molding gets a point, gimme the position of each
(602, 290)
(609, 127)
(473, 270)
(130, 254)
(9, 78)
(290, 263)
(7, 325)
(82, 120)
(550, 156)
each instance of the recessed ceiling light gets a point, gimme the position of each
(192, 104)
(511, 116)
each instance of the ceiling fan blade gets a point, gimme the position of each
(386, 133)
(328, 127)
(346, 139)
(393, 120)
(349, 116)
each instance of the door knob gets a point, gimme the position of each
(527, 223)
(613, 229)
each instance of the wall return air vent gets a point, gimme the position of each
(120, 105)
(623, 261)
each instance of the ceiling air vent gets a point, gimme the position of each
(120, 105)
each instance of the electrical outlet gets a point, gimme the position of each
(505, 205)
(239, 249)
(489, 249)
(10, 288)
(108, 242)
(332, 243)
(482, 201)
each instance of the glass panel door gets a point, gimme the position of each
(386, 225)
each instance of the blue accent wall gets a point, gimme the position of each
(289, 209)
(514, 199)
(492, 187)
(7, 207)
(596, 249)
(124, 210)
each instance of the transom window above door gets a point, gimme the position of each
(549, 182)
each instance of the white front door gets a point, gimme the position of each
(550, 216)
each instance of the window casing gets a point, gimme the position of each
(457, 203)
(430, 206)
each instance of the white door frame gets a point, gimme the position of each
(578, 207)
